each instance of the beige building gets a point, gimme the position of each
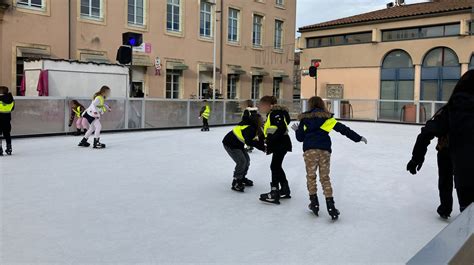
(254, 49)
(403, 52)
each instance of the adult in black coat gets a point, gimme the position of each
(456, 120)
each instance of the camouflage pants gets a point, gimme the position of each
(315, 159)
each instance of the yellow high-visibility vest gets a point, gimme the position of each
(238, 132)
(6, 108)
(102, 104)
(328, 126)
(269, 128)
(207, 112)
(77, 111)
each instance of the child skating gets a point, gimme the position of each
(7, 105)
(248, 132)
(76, 114)
(249, 109)
(313, 130)
(93, 114)
(204, 114)
(278, 144)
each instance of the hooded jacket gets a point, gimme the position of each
(250, 134)
(314, 129)
(6, 99)
(279, 141)
(457, 121)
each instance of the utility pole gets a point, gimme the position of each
(214, 55)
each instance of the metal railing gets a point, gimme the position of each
(50, 115)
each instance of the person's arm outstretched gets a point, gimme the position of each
(346, 131)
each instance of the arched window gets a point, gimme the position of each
(397, 83)
(471, 64)
(440, 72)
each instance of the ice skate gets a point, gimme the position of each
(98, 144)
(333, 212)
(1, 151)
(77, 133)
(84, 143)
(9, 150)
(248, 182)
(314, 205)
(443, 212)
(238, 185)
(285, 192)
(273, 196)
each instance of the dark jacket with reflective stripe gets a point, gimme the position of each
(312, 135)
(249, 134)
(279, 141)
(7, 99)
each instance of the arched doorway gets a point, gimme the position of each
(440, 73)
(397, 83)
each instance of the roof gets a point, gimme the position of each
(398, 12)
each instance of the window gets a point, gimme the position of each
(278, 42)
(471, 27)
(257, 31)
(31, 3)
(136, 12)
(91, 9)
(232, 82)
(397, 83)
(233, 25)
(335, 40)
(173, 15)
(280, 2)
(471, 64)
(256, 87)
(277, 86)
(439, 74)
(422, 32)
(172, 83)
(205, 28)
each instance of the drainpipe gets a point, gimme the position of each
(69, 30)
(222, 47)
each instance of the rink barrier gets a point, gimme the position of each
(48, 116)
(454, 245)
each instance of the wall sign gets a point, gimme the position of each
(334, 91)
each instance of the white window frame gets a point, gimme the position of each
(173, 73)
(256, 91)
(232, 86)
(278, 34)
(277, 81)
(257, 27)
(89, 15)
(180, 20)
(135, 7)
(203, 15)
(280, 3)
(29, 5)
(231, 31)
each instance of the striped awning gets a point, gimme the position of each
(280, 74)
(176, 66)
(236, 70)
(207, 68)
(258, 72)
(33, 52)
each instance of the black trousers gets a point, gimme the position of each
(205, 123)
(278, 174)
(445, 180)
(5, 130)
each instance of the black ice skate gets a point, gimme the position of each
(273, 196)
(248, 182)
(444, 212)
(249, 149)
(314, 205)
(84, 143)
(1, 151)
(77, 133)
(333, 212)
(9, 150)
(285, 192)
(98, 144)
(238, 185)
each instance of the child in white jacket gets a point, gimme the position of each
(93, 114)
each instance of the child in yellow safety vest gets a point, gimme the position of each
(76, 114)
(205, 114)
(93, 114)
(7, 105)
(248, 132)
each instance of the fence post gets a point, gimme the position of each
(188, 110)
(377, 110)
(303, 105)
(417, 106)
(433, 111)
(337, 108)
(224, 112)
(143, 114)
(66, 115)
(126, 113)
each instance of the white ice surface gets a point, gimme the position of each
(164, 197)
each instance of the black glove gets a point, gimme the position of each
(69, 125)
(414, 166)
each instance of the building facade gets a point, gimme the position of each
(404, 52)
(254, 42)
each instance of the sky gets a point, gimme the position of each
(315, 11)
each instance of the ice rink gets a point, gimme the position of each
(163, 197)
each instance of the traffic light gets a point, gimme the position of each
(313, 71)
(124, 55)
(132, 39)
